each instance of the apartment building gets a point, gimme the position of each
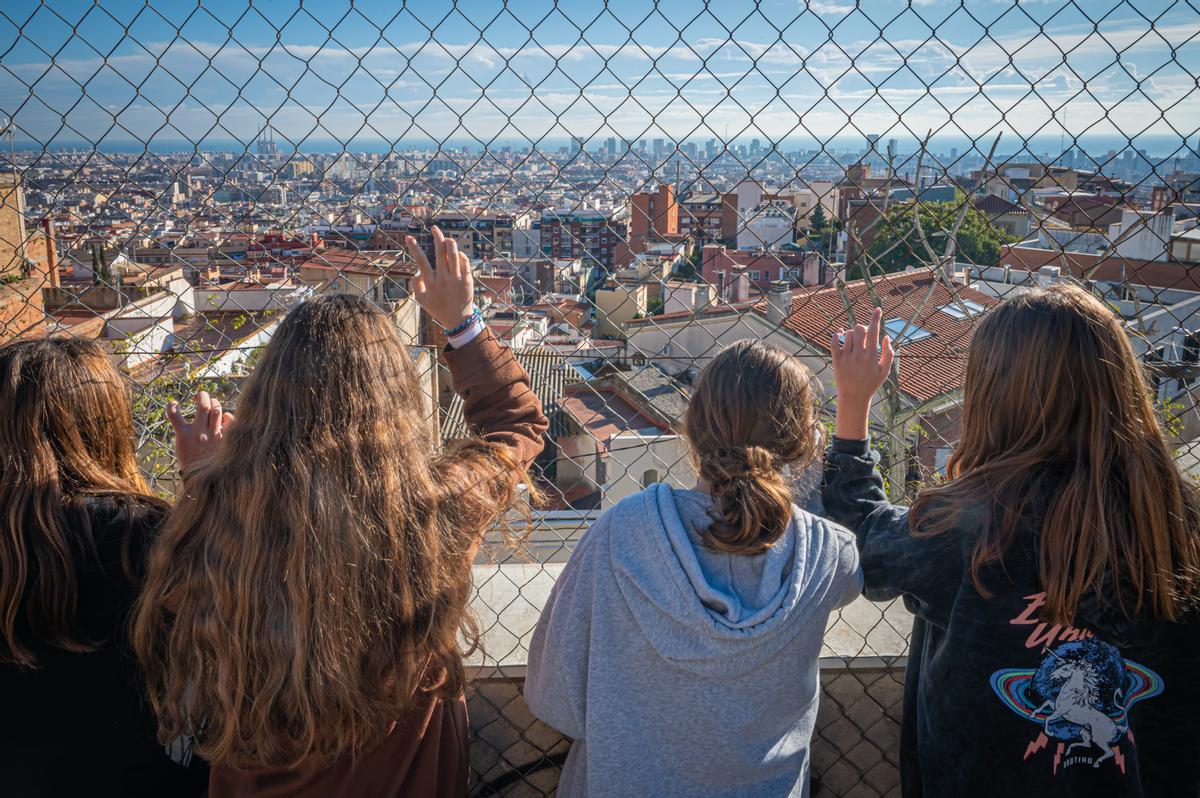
(592, 236)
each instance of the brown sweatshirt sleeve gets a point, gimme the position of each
(498, 402)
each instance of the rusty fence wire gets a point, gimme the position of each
(637, 186)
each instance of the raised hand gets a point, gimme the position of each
(861, 364)
(197, 439)
(446, 291)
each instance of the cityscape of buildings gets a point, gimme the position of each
(614, 271)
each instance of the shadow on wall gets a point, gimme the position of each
(855, 751)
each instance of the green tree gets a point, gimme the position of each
(897, 245)
(822, 229)
(687, 268)
(817, 221)
(102, 273)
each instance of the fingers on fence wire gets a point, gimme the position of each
(198, 438)
(424, 270)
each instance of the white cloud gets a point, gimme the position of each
(820, 7)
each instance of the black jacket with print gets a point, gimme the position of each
(998, 703)
(80, 723)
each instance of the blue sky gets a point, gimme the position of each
(117, 71)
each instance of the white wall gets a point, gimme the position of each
(406, 315)
(137, 341)
(677, 298)
(527, 242)
(763, 231)
(632, 454)
(210, 298)
(577, 461)
(749, 193)
(1149, 239)
(177, 300)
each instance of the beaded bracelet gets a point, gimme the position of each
(467, 322)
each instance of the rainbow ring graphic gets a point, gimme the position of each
(1012, 686)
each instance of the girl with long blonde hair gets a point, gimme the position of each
(1054, 574)
(305, 610)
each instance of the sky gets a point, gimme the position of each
(821, 72)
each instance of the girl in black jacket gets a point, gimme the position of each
(76, 520)
(1053, 576)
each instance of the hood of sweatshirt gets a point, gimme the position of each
(708, 611)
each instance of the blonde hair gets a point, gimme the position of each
(315, 578)
(753, 412)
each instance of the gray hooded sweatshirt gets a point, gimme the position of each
(678, 670)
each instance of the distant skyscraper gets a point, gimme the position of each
(660, 147)
(611, 144)
(576, 144)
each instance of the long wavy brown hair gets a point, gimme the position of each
(753, 412)
(66, 435)
(314, 579)
(1063, 452)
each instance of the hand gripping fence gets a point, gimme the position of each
(637, 185)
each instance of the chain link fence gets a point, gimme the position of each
(637, 185)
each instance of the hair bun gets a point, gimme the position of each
(736, 462)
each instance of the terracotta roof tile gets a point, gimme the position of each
(929, 367)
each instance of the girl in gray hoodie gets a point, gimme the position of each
(679, 647)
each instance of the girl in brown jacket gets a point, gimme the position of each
(303, 607)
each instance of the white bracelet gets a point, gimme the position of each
(468, 335)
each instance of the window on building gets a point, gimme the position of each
(955, 311)
(649, 477)
(894, 327)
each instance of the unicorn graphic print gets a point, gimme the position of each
(1080, 694)
(1079, 703)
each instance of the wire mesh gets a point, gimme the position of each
(637, 185)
